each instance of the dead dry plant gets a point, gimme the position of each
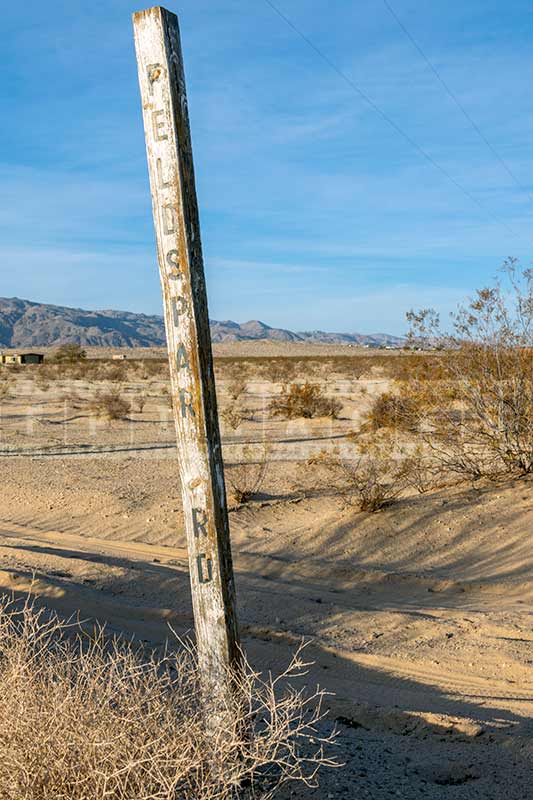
(109, 405)
(73, 400)
(5, 387)
(233, 416)
(376, 475)
(86, 717)
(478, 417)
(420, 470)
(247, 478)
(392, 411)
(236, 388)
(305, 400)
(140, 402)
(69, 354)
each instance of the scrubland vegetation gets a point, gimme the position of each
(305, 401)
(466, 415)
(88, 717)
(109, 405)
(463, 411)
(309, 444)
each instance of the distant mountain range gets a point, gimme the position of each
(229, 331)
(27, 324)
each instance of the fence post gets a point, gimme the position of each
(176, 220)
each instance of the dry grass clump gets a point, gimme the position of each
(304, 400)
(246, 479)
(109, 405)
(83, 717)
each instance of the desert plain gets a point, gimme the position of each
(418, 616)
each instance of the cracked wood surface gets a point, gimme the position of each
(176, 219)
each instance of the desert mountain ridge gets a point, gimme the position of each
(24, 323)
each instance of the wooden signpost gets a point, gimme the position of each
(175, 209)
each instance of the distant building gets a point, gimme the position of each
(119, 357)
(21, 358)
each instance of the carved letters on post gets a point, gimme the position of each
(176, 221)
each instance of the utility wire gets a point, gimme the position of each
(456, 100)
(368, 100)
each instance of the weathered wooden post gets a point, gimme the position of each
(175, 209)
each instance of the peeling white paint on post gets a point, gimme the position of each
(175, 208)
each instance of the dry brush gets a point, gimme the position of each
(85, 717)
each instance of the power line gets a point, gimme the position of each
(456, 100)
(368, 100)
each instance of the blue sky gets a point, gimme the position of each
(315, 212)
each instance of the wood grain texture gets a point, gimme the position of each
(176, 219)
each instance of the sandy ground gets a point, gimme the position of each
(419, 617)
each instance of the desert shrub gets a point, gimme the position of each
(236, 388)
(49, 371)
(246, 479)
(377, 476)
(6, 386)
(41, 383)
(479, 419)
(13, 369)
(167, 396)
(73, 400)
(233, 369)
(358, 369)
(287, 369)
(371, 478)
(109, 405)
(419, 469)
(140, 402)
(86, 717)
(279, 370)
(304, 400)
(78, 371)
(116, 372)
(423, 367)
(70, 353)
(233, 416)
(392, 411)
(155, 367)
